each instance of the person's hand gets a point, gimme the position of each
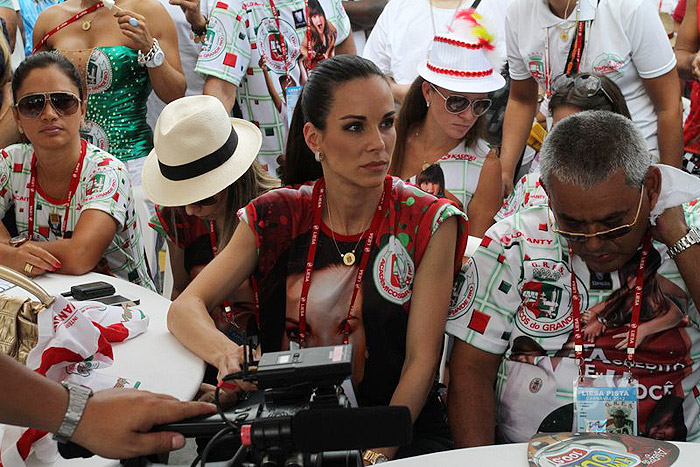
(593, 329)
(192, 14)
(642, 333)
(670, 226)
(262, 63)
(507, 184)
(140, 35)
(695, 66)
(231, 362)
(116, 422)
(32, 260)
(227, 398)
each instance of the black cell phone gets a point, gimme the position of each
(90, 290)
(118, 300)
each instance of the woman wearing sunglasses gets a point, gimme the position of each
(72, 201)
(200, 224)
(442, 121)
(572, 94)
(121, 52)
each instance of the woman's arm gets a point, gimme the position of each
(188, 317)
(687, 43)
(487, 198)
(29, 253)
(168, 80)
(520, 113)
(270, 84)
(665, 94)
(91, 237)
(177, 267)
(426, 321)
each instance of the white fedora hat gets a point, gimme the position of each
(198, 151)
(461, 60)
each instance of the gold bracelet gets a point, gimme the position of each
(373, 457)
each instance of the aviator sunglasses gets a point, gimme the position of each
(456, 104)
(32, 105)
(585, 84)
(610, 234)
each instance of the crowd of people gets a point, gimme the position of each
(324, 189)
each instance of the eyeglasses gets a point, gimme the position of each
(585, 83)
(32, 105)
(456, 104)
(610, 234)
(206, 201)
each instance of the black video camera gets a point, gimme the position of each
(300, 416)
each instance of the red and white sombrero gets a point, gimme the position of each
(464, 60)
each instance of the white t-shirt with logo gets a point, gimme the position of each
(627, 43)
(189, 50)
(513, 297)
(400, 39)
(239, 33)
(104, 185)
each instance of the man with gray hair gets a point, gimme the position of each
(617, 231)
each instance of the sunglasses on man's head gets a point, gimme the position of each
(610, 234)
(456, 103)
(586, 84)
(33, 105)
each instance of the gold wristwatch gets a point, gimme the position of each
(374, 457)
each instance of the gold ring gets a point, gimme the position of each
(28, 268)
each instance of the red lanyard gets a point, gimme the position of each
(636, 307)
(74, 182)
(215, 251)
(319, 191)
(573, 61)
(73, 18)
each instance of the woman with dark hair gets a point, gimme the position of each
(121, 52)
(319, 42)
(443, 119)
(73, 202)
(432, 180)
(382, 252)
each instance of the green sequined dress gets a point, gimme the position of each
(117, 88)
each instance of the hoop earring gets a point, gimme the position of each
(318, 155)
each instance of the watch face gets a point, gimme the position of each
(159, 58)
(18, 240)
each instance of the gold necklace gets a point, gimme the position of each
(87, 23)
(349, 257)
(564, 30)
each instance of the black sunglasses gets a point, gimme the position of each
(456, 103)
(32, 105)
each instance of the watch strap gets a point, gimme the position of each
(77, 400)
(147, 58)
(688, 240)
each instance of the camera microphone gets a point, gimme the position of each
(319, 430)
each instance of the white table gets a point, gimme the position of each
(155, 358)
(514, 455)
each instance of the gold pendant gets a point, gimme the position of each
(349, 258)
(86, 25)
(564, 36)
